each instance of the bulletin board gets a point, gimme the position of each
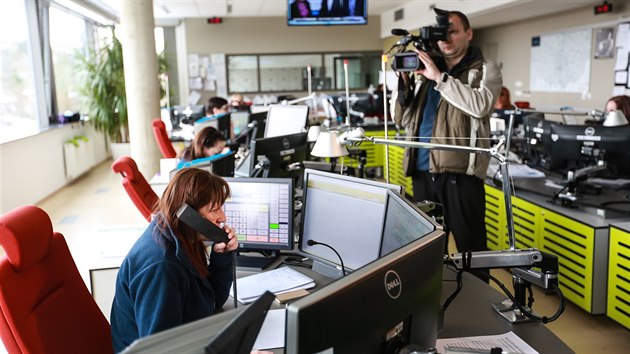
(622, 59)
(561, 61)
(206, 72)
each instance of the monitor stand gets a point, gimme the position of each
(258, 262)
(329, 270)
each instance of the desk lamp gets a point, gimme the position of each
(328, 145)
(615, 119)
(519, 260)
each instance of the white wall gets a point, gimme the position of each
(511, 43)
(33, 168)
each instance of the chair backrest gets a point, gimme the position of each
(164, 143)
(136, 185)
(45, 305)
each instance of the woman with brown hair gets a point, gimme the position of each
(208, 142)
(619, 103)
(167, 278)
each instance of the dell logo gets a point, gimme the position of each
(285, 143)
(393, 285)
(590, 131)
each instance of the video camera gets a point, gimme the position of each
(426, 41)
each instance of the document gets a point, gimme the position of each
(509, 343)
(277, 281)
(271, 334)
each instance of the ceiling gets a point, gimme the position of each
(495, 12)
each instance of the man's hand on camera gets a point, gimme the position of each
(430, 70)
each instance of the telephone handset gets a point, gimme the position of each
(191, 217)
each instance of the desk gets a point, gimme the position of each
(471, 314)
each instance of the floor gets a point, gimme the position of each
(100, 223)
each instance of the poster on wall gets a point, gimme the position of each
(561, 62)
(604, 43)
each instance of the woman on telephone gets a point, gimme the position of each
(168, 278)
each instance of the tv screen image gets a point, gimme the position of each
(326, 12)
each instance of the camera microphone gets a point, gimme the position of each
(399, 32)
(313, 243)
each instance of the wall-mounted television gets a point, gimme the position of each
(326, 12)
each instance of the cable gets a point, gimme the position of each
(234, 279)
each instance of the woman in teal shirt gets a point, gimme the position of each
(168, 279)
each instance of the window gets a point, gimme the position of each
(288, 72)
(18, 112)
(67, 37)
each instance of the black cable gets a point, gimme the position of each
(455, 293)
(234, 279)
(313, 243)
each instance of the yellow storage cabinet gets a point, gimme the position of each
(618, 304)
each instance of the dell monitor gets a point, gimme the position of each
(578, 146)
(324, 13)
(537, 132)
(220, 165)
(239, 121)
(261, 213)
(346, 213)
(279, 156)
(285, 120)
(387, 304)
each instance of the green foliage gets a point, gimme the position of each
(75, 140)
(103, 90)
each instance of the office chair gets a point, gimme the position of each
(136, 186)
(45, 305)
(164, 143)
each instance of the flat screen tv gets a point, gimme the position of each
(326, 12)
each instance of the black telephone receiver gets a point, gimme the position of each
(191, 217)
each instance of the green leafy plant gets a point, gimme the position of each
(103, 89)
(76, 139)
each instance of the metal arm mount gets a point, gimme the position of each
(511, 258)
(262, 167)
(572, 180)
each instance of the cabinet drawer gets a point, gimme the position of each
(618, 304)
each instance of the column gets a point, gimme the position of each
(141, 82)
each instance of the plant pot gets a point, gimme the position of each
(120, 149)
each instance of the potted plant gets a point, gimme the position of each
(103, 89)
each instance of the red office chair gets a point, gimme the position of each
(164, 143)
(136, 185)
(45, 305)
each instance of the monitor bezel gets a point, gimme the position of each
(328, 21)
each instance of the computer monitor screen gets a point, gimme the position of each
(578, 146)
(404, 223)
(346, 213)
(261, 213)
(220, 165)
(220, 122)
(278, 156)
(285, 120)
(239, 120)
(320, 13)
(261, 121)
(394, 298)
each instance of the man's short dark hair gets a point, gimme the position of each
(215, 102)
(462, 18)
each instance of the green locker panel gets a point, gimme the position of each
(495, 218)
(396, 174)
(375, 154)
(573, 243)
(526, 223)
(618, 304)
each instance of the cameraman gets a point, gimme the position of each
(449, 102)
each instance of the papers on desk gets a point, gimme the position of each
(277, 281)
(508, 342)
(517, 171)
(271, 334)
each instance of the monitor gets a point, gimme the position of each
(578, 146)
(220, 122)
(220, 165)
(388, 303)
(261, 120)
(537, 132)
(239, 120)
(346, 213)
(505, 114)
(279, 156)
(285, 120)
(318, 13)
(228, 332)
(260, 210)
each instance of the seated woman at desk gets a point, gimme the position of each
(167, 278)
(619, 103)
(208, 142)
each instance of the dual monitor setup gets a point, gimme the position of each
(391, 250)
(559, 148)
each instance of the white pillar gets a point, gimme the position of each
(141, 82)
